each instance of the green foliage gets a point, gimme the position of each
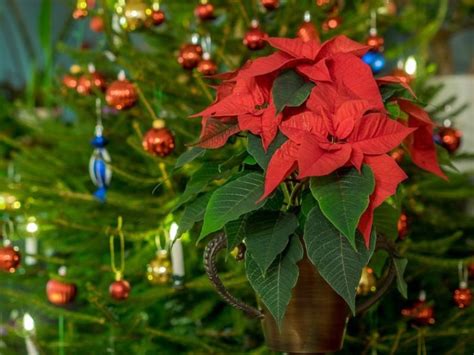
(400, 266)
(275, 287)
(193, 212)
(255, 148)
(343, 196)
(290, 90)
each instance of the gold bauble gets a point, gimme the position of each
(136, 14)
(8, 202)
(367, 283)
(158, 270)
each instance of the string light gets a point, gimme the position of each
(173, 231)
(410, 65)
(28, 322)
(32, 226)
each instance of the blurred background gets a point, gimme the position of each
(73, 72)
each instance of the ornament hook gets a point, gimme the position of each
(118, 271)
(8, 230)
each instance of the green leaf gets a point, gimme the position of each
(400, 266)
(275, 288)
(267, 234)
(249, 160)
(386, 220)
(307, 204)
(255, 148)
(393, 110)
(275, 201)
(197, 183)
(335, 259)
(235, 232)
(232, 200)
(188, 156)
(444, 158)
(343, 196)
(290, 90)
(193, 212)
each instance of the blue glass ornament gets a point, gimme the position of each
(375, 60)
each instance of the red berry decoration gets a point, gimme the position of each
(159, 140)
(402, 226)
(450, 138)
(190, 55)
(10, 258)
(307, 31)
(398, 154)
(376, 42)
(119, 290)
(462, 296)
(421, 313)
(60, 293)
(121, 94)
(270, 4)
(205, 11)
(254, 39)
(97, 24)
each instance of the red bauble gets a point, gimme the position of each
(90, 81)
(254, 39)
(10, 258)
(307, 31)
(207, 67)
(60, 293)
(190, 55)
(375, 42)
(205, 11)
(97, 24)
(402, 226)
(119, 290)
(70, 81)
(121, 94)
(79, 13)
(270, 4)
(325, 3)
(450, 138)
(462, 297)
(402, 75)
(158, 17)
(159, 140)
(421, 313)
(331, 23)
(398, 154)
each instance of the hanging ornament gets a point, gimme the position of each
(159, 140)
(99, 163)
(374, 58)
(421, 313)
(398, 154)
(177, 256)
(133, 14)
(60, 292)
(254, 39)
(307, 31)
(326, 4)
(332, 22)
(157, 15)
(121, 94)
(81, 10)
(159, 270)
(449, 138)
(204, 11)
(270, 5)
(402, 226)
(190, 54)
(90, 81)
(70, 81)
(367, 282)
(97, 24)
(206, 65)
(10, 256)
(463, 295)
(389, 8)
(120, 288)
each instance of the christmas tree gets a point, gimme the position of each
(98, 163)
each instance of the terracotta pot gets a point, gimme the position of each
(316, 317)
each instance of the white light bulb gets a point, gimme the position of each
(28, 322)
(32, 227)
(410, 65)
(173, 231)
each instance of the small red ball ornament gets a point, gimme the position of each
(254, 39)
(331, 23)
(307, 30)
(470, 269)
(376, 42)
(159, 140)
(119, 290)
(450, 138)
(90, 81)
(60, 293)
(158, 17)
(270, 4)
(190, 55)
(462, 296)
(207, 67)
(121, 94)
(205, 11)
(398, 154)
(421, 313)
(402, 226)
(97, 24)
(325, 3)
(70, 81)
(10, 258)
(78, 13)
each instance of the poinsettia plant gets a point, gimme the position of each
(311, 163)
